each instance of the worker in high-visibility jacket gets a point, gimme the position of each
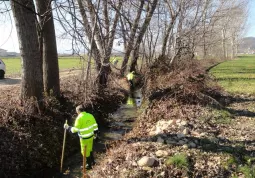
(86, 127)
(130, 101)
(115, 61)
(130, 78)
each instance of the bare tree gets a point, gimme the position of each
(130, 43)
(184, 28)
(47, 39)
(105, 29)
(173, 14)
(32, 75)
(139, 38)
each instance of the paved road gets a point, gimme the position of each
(9, 81)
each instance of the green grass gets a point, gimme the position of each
(217, 116)
(69, 62)
(13, 65)
(248, 171)
(237, 76)
(178, 160)
(221, 117)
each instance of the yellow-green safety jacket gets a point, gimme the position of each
(130, 76)
(85, 124)
(130, 101)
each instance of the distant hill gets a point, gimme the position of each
(247, 45)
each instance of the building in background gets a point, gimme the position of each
(5, 53)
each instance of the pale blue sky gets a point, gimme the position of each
(251, 20)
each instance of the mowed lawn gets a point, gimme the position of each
(237, 76)
(13, 65)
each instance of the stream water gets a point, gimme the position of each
(121, 122)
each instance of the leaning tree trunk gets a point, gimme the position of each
(166, 37)
(103, 76)
(87, 28)
(129, 47)
(32, 77)
(49, 53)
(105, 68)
(139, 39)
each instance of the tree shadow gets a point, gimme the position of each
(233, 79)
(243, 112)
(227, 99)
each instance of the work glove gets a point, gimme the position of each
(66, 126)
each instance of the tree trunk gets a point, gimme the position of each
(103, 76)
(224, 43)
(105, 68)
(141, 34)
(166, 37)
(233, 44)
(170, 26)
(50, 55)
(131, 39)
(95, 51)
(32, 76)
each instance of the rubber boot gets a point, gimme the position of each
(88, 161)
(92, 158)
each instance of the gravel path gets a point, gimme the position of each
(15, 81)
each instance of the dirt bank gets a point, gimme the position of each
(32, 143)
(188, 128)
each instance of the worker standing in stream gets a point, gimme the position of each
(130, 78)
(86, 127)
(115, 61)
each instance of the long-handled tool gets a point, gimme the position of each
(84, 161)
(63, 150)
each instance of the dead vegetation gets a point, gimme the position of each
(32, 143)
(188, 127)
(188, 114)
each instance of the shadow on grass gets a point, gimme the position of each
(245, 57)
(234, 79)
(227, 99)
(243, 112)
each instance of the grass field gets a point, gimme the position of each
(237, 76)
(13, 65)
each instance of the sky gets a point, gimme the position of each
(9, 40)
(8, 33)
(251, 20)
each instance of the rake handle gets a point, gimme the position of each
(63, 150)
(84, 161)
